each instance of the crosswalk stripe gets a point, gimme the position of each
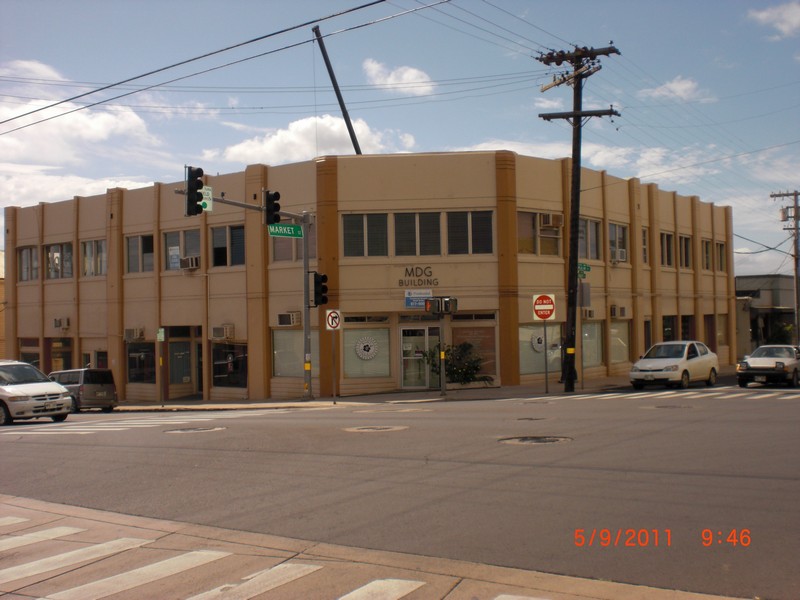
(137, 577)
(384, 589)
(5, 521)
(37, 536)
(68, 559)
(259, 583)
(511, 597)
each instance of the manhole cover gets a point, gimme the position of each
(538, 402)
(376, 428)
(531, 419)
(195, 429)
(527, 440)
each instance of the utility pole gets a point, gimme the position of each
(584, 63)
(795, 217)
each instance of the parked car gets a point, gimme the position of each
(27, 393)
(89, 388)
(675, 364)
(770, 364)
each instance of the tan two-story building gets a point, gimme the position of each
(211, 306)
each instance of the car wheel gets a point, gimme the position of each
(5, 416)
(684, 380)
(742, 383)
(76, 405)
(795, 380)
(712, 378)
(637, 385)
(107, 409)
(59, 418)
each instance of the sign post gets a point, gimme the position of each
(544, 309)
(333, 322)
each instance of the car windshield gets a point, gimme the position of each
(774, 352)
(666, 351)
(20, 374)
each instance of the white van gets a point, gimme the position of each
(27, 393)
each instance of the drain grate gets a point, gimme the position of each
(376, 428)
(527, 440)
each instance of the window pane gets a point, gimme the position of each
(482, 232)
(219, 246)
(142, 363)
(87, 253)
(526, 234)
(377, 364)
(147, 253)
(405, 234)
(430, 242)
(172, 251)
(377, 235)
(133, 255)
(237, 245)
(102, 257)
(353, 231)
(457, 235)
(180, 362)
(191, 242)
(230, 365)
(282, 249)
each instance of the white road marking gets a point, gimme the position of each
(69, 559)
(137, 577)
(258, 583)
(37, 536)
(384, 589)
(5, 521)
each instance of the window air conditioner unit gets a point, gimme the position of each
(133, 334)
(223, 332)
(289, 318)
(622, 255)
(588, 313)
(550, 220)
(190, 263)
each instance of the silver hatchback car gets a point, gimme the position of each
(27, 393)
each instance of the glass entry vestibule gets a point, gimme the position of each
(415, 342)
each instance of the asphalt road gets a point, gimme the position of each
(694, 490)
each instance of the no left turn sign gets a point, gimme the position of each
(333, 320)
(544, 307)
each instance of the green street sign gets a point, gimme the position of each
(581, 274)
(584, 267)
(289, 230)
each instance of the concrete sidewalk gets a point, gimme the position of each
(591, 385)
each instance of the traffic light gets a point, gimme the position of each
(433, 306)
(320, 289)
(194, 195)
(449, 305)
(273, 208)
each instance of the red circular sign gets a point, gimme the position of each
(544, 307)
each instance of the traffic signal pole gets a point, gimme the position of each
(583, 61)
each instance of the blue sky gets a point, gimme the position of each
(707, 91)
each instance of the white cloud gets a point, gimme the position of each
(310, 137)
(549, 104)
(785, 18)
(680, 88)
(405, 80)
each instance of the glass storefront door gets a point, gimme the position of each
(416, 372)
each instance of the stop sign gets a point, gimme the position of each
(544, 307)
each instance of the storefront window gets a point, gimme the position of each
(142, 362)
(287, 353)
(620, 341)
(482, 341)
(533, 352)
(230, 365)
(366, 353)
(180, 362)
(592, 344)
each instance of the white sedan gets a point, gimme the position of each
(675, 364)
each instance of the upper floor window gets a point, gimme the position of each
(227, 246)
(28, 264)
(178, 244)
(470, 232)
(722, 257)
(707, 256)
(417, 234)
(618, 242)
(94, 258)
(589, 239)
(685, 251)
(140, 253)
(59, 261)
(285, 249)
(365, 234)
(667, 249)
(645, 245)
(539, 233)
